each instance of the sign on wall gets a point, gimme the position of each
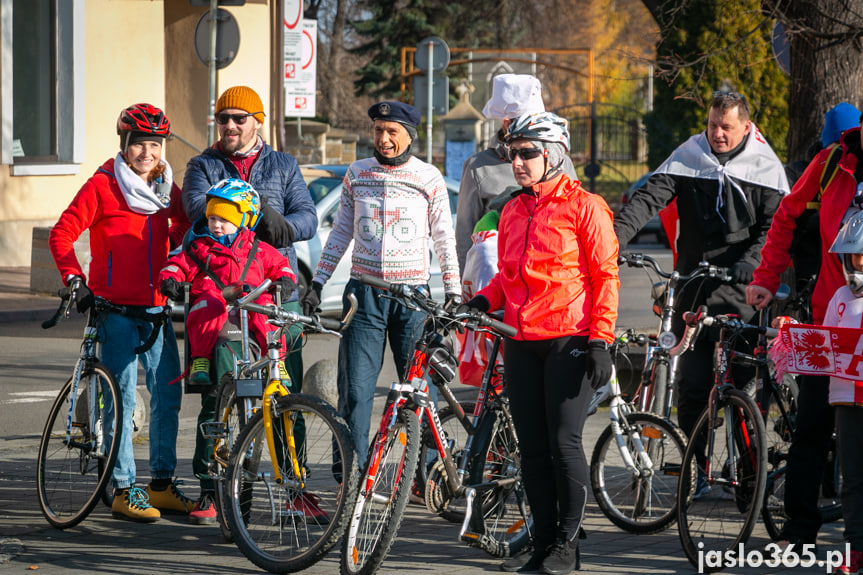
(301, 46)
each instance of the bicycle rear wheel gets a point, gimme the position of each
(290, 526)
(430, 471)
(723, 515)
(383, 495)
(501, 523)
(640, 499)
(72, 474)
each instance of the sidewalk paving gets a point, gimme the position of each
(425, 544)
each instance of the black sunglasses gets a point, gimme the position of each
(729, 95)
(524, 153)
(239, 119)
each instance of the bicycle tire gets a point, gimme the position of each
(290, 526)
(501, 522)
(382, 497)
(646, 503)
(722, 519)
(71, 480)
(659, 383)
(431, 480)
(227, 413)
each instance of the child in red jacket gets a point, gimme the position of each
(218, 251)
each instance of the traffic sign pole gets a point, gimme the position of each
(429, 115)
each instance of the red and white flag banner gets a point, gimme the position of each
(823, 350)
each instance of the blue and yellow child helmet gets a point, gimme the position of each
(235, 201)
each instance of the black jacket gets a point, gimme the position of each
(703, 234)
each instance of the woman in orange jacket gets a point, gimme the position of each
(557, 282)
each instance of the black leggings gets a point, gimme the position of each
(549, 401)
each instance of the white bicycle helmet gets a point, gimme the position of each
(542, 126)
(849, 241)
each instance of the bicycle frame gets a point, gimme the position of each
(663, 349)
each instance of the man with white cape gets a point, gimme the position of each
(727, 183)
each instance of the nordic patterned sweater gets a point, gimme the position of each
(391, 213)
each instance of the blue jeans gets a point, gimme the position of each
(119, 336)
(361, 354)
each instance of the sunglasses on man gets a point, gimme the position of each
(239, 119)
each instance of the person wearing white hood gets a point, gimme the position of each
(488, 173)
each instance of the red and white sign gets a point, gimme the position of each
(823, 350)
(301, 45)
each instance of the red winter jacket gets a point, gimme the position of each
(557, 263)
(127, 248)
(226, 263)
(835, 201)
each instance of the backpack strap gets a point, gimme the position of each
(204, 268)
(830, 169)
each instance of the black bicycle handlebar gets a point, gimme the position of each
(693, 318)
(402, 291)
(704, 269)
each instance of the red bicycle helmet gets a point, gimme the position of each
(144, 118)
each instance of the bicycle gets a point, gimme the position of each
(726, 458)
(292, 470)
(81, 437)
(637, 459)
(656, 392)
(490, 449)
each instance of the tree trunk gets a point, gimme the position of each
(826, 64)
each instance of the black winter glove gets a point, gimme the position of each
(741, 272)
(273, 228)
(476, 303)
(83, 296)
(453, 300)
(598, 369)
(172, 289)
(288, 286)
(312, 299)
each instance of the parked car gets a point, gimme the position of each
(653, 226)
(325, 186)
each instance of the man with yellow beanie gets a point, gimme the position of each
(288, 212)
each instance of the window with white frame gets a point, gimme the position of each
(43, 86)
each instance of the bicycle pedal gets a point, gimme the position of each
(214, 429)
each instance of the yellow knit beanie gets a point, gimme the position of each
(226, 210)
(241, 98)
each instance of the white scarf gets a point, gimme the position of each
(143, 198)
(756, 164)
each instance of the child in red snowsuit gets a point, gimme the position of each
(219, 250)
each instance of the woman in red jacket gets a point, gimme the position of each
(557, 282)
(133, 211)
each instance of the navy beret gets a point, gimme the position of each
(395, 112)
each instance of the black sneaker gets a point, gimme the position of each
(562, 558)
(528, 560)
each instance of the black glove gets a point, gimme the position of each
(83, 296)
(312, 299)
(288, 286)
(172, 289)
(741, 272)
(598, 369)
(273, 228)
(476, 303)
(453, 300)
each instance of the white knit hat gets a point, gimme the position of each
(513, 95)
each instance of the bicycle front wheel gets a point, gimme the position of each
(722, 486)
(659, 385)
(74, 465)
(501, 523)
(383, 496)
(289, 526)
(636, 496)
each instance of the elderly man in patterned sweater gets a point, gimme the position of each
(390, 205)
